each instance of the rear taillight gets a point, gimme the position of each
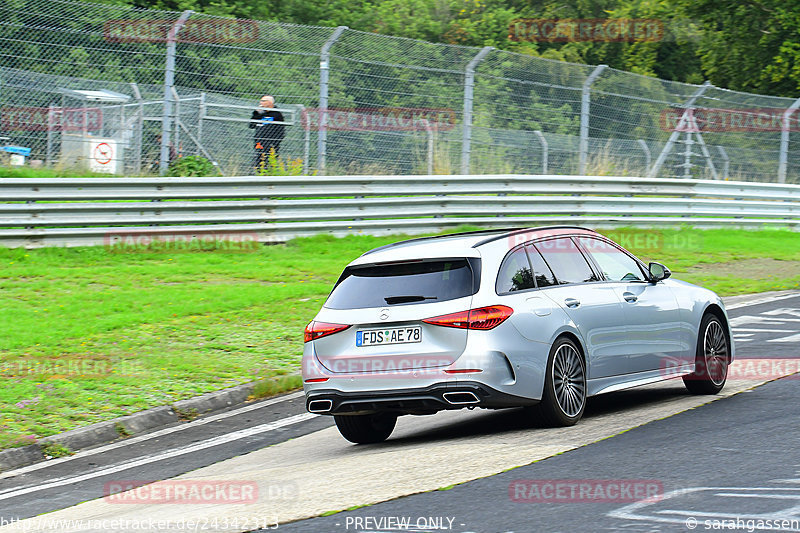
(317, 330)
(481, 318)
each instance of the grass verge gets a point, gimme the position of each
(90, 334)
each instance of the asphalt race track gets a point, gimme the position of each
(707, 459)
(728, 460)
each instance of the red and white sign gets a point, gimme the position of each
(102, 156)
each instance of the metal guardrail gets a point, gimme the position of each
(93, 211)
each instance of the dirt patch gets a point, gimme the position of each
(759, 268)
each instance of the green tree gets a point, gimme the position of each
(749, 46)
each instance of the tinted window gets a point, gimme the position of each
(566, 261)
(544, 276)
(515, 273)
(402, 283)
(615, 264)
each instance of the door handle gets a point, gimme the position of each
(629, 297)
(572, 302)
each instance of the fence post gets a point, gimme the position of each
(324, 70)
(306, 137)
(201, 113)
(138, 129)
(726, 162)
(783, 156)
(647, 155)
(179, 124)
(685, 116)
(545, 150)
(429, 135)
(176, 117)
(169, 82)
(469, 84)
(585, 103)
(51, 116)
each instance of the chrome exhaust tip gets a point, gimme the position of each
(320, 406)
(460, 398)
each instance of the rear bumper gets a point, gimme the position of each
(426, 400)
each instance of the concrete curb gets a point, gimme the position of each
(128, 426)
(213, 401)
(17, 457)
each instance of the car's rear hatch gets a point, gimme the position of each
(385, 305)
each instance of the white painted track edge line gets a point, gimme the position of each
(215, 441)
(147, 436)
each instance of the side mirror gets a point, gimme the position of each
(658, 272)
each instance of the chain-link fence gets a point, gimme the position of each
(128, 90)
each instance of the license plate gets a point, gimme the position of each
(381, 337)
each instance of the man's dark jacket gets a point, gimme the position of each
(267, 132)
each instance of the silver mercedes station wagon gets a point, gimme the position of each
(540, 318)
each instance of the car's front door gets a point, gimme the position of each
(594, 307)
(655, 336)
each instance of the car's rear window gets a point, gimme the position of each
(404, 283)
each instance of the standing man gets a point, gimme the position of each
(268, 135)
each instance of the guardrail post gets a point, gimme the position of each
(783, 155)
(545, 150)
(324, 72)
(469, 85)
(687, 107)
(169, 82)
(585, 104)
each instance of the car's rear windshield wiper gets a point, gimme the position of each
(407, 298)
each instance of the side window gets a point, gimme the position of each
(515, 273)
(615, 264)
(544, 276)
(566, 261)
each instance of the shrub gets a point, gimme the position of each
(275, 166)
(192, 166)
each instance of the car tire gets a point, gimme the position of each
(366, 429)
(564, 395)
(712, 357)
